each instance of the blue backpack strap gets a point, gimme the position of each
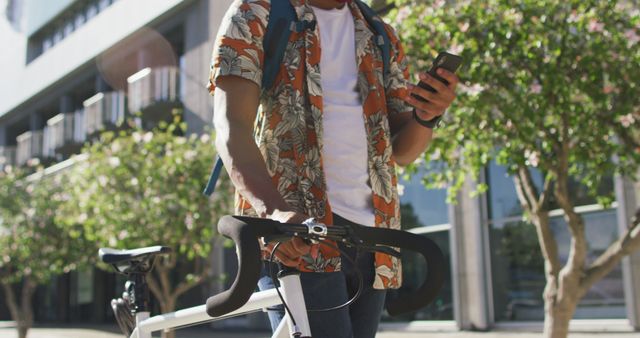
(213, 178)
(382, 38)
(282, 20)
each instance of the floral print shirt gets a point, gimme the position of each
(288, 126)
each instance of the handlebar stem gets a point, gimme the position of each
(315, 230)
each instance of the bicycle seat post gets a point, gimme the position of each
(133, 307)
(139, 292)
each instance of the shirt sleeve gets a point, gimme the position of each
(398, 77)
(238, 46)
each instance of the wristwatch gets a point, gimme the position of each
(431, 124)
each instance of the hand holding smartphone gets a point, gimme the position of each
(444, 60)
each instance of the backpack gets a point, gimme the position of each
(283, 17)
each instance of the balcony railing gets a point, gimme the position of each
(7, 156)
(153, 91)
(48, 149)
(103, 111)
(79, 126)
(59, 136)
(29, 146)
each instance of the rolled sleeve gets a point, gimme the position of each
(238, 48)
(397, 78)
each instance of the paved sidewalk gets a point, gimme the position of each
(112, 332)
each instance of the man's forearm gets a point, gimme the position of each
(410, 141)
(235, 103)
(248, 172)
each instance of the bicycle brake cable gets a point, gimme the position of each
(348, 257)
(358, 272)
(271, 260)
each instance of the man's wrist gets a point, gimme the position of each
(276, 212)
(431, 124)
(288, 215)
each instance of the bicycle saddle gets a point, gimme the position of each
(115, 256)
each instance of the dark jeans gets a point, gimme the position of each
(324, 290)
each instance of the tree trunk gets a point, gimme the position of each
(562, 290)
(556, 318)
(165, 292)
(22, 332)
(22, 314)
(168, 305)
(162, 290)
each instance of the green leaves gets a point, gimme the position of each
(31, 243)
(541, 81)
(132, 189)
(143, 188)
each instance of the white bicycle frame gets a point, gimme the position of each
(289, 287)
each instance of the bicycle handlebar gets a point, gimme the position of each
(245, 231)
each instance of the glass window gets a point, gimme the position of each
(79, 19)
(421, 206)
(92, 10)
(518, 269)
(182, 78)
(413, 272)
(48, 298)
(68, 27)
(85, 286)
(503, 199)
(58, 35)
(580, 194)
(102, 4)
(12, 11)
(47, 42)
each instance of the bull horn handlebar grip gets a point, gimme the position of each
(432, 254)
(244, 234)
(244, 231)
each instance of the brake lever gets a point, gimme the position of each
(317, 232)
(275, 238)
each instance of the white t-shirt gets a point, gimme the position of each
(344, 139)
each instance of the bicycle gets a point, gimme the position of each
(132, 310)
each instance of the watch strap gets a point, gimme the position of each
(431, 124)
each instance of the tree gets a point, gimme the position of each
(548, 87)
(33, 248)
(139, 189)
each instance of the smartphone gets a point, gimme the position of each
(444, 60)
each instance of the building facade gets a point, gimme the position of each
(74, 67)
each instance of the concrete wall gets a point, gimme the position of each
(201, 28)
(118, 21)
(628, 198)
(12, 58)
(471, 261)
(39, 12)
